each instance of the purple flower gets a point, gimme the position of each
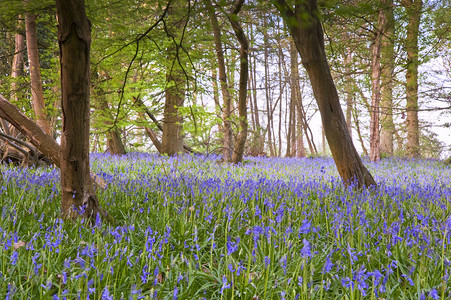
(90, 288)
(306, 250)
(232, 246)
(305, 227)
(176, 291)
(328, 265)
(14, 257)
(434, 294)
(267, 261)
(225, 285)
(106, 294)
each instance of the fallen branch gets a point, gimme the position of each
(38, 138)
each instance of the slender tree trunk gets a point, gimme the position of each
(37, 93)
(172, 141)
(267, 87)
(74, 38)
(349, 92)
(151, 134)
(375, 154)
(238, 149)
(307, 33)
(17, 64)
(359, 133)
(114, 141)
(387, 73)
(294, 76)
(227, 99)
(414, 9)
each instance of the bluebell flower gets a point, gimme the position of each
(306, 250)
(14, 258)
(176, 291)
(305, 227)
(225, 285)
(328, 265)
(433, 294)
(106, 294)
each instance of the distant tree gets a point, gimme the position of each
(37, 92)
(306, 30)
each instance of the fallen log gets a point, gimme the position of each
(38, 138)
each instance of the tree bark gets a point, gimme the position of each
(37, 92)
(413, 8)
(375, 154)
(307, 33)
(74, 39)
(349, 92)
(227, 142)
(172, 140)
(17, 64)
(269, 107)
(387, 73)
(238, 149)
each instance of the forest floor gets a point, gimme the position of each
(194, 228)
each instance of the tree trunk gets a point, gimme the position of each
(17, 65)
(413, 8)
(267, 87)
(172, 140)
(349, 92)
(151, 134)
(387, 73)
(375, 154)
(37, 93)
(307, 33)
(294, 97)
(74, 38)
(238, 149)
(359, 133)
(227, 141)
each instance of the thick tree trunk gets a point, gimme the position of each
(227, 141)
(375, 154)
(37, 93)
(74, 38)
(387, 73)
(172, 140)
(307, 33)
(238, 149)
(413, 8)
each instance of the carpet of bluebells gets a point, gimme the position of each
(195, 228)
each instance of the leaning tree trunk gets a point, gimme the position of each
(37, 92)
(307, 33)
(74, 38)
(238, 149)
